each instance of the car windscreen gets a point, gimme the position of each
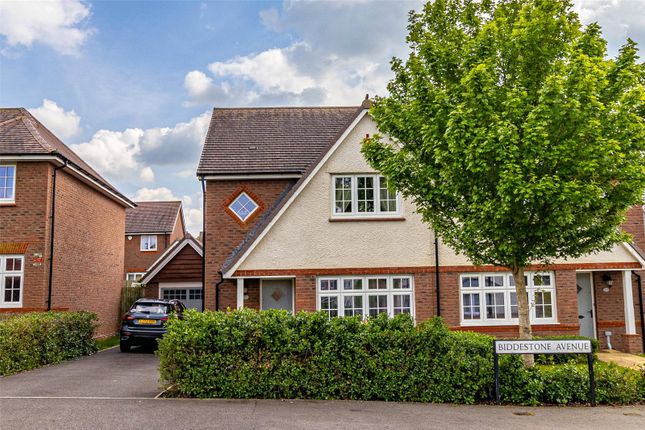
(151, 308)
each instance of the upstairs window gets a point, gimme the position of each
(363, 195)
(7, 183)
(149, 243)
(243, 206)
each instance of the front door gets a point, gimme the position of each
(277, 294)
(585, 305)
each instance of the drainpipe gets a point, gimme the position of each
(52, 217)
(221, 281)
(436, 274)
(203, 181)
(640, 306)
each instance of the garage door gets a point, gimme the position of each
(189, 294)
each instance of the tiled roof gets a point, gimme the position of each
(152, 217)
(270, 140)
(22, 134)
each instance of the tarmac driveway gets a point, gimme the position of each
(106, 374)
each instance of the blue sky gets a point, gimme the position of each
(130, 85)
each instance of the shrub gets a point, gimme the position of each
(272, 354)
(34, 339)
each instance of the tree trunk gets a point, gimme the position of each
(523, 311)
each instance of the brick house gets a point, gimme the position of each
(61, 226)
(296, 219)
(150, 228)
(177, 273)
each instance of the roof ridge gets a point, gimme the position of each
(286, 107)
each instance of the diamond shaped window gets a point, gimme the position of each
(243, 206)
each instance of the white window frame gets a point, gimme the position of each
(257, 206)
(145, 238)
(507, 289)
(390, 291)
(354, 187)
(136, 276)
(6, 200)
(4, 273)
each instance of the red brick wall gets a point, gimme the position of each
(224, 233)
(634, 226)
(139, 261)
(178, 231)
(88, 252)
(27, 221)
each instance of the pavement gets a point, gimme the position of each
(113, 390)
(624, 359)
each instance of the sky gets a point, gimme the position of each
(130, 86)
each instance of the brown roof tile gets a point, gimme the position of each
(152, 217)
(22, 134)
(270, 140)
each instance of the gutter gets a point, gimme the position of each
(436, 274)
(640, 306)
(52, 218)
(203, 181)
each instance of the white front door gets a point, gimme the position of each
(586, 316)
(277, 294)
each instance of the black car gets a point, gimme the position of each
(145, 322)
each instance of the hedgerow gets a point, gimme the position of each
(34, 339)
(272, 354)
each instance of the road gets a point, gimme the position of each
(110, 390)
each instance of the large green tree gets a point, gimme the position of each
(516, 136)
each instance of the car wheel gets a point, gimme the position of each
(124, 346)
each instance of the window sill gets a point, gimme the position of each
(148, 250)
(479, 323)
(11, 306)
(8, 203)
(367, 218)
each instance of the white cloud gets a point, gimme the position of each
(320, 66)
(130, 153)
(57, 23)
(147, 174)
(63, 124)
(191, 205)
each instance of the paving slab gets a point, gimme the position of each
(622, 359)
(107, 374)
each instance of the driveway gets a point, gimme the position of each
(106, 374)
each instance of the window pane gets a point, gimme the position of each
(494, 281)
(401, 304)
(353, 305)
(352, 284)
(495, 306)
(328, 285)
(514, 308)
(365, 193)
(543, 304)
(401, 283)
(343, 188)
(470, 281)
(387, 197)
(471, 306)
(377, 284)
(329, 304)
(243, 206)
(12, 289)
(542, 280)
(377, 304)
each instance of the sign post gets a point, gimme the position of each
(568, 346)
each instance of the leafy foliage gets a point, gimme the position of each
(31, 340)
(518, 140)
(272, 354)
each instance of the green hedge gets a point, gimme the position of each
(271, 354)
(34, 339)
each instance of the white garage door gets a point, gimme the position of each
(190, 293)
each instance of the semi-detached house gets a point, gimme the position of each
(296, 219)
(61, 226)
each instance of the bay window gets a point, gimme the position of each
(366, 296)
(490, 298)
(11, 280)
(363, 195)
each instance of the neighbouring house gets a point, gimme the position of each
(177, 273)
(150, 228)
(296, 219)
(61, 226)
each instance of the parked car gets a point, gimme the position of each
(145, 322)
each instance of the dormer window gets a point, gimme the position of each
(7, 183)
(363, 195)
(243, 206)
